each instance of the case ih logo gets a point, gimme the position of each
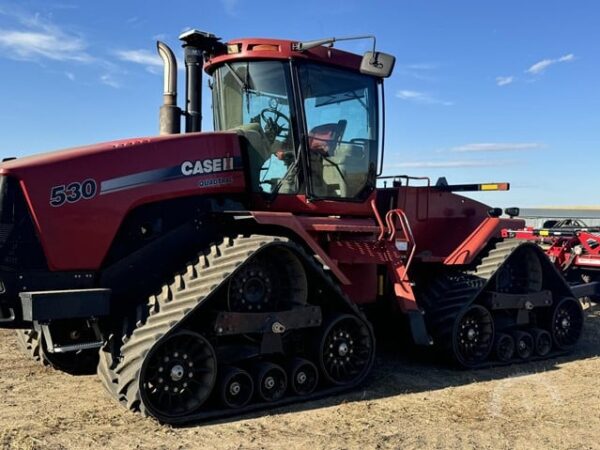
(199, 167)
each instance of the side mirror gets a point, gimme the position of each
(377, 64)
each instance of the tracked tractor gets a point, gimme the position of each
(208, 274)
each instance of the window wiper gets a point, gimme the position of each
(245, 85)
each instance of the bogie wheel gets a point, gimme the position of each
(303, 375)
(542, 341)
(567, 323)
(522, 273)
(236, 387)
(345, 350)
(178, 375)
(524, 344)
(271, 381)
(273, 280)
(504, 347)
(473, 336)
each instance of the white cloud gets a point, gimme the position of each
(497, 147)
(461, 164)
(541, 66)
(70, 76)
(110, 80)
(503, 81)
(40, 39)
(151, 60)
(143, 57)
(421, 97)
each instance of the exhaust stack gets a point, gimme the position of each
(170, 114)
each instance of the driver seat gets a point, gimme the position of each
(259, 149)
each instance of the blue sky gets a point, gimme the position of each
(482, 91)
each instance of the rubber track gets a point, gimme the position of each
(178, 299)
(29, 343)
(450, 294)
(109, 355)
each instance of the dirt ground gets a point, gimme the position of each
(404, 404)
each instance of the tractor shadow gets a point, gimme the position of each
(401, 369)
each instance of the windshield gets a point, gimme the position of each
(253, 99)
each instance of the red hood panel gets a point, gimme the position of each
(79, 197)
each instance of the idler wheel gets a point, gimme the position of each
(345, 350)
(542, 340)
(504, 347)
(178, 375)
(473, 336)
(303, 376)
(271, 382)
(236, 387)
(567, 323)
(524, 344)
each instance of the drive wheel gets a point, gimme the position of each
(345, 350)
(272, 281)
(521, 274)
(473, 336)
(567, 323)
(178, 375)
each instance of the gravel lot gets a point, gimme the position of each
(406, 403)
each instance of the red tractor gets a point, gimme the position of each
(210, 274)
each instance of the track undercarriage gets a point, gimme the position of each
(513, 306)
(252, 323)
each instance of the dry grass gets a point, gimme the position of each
(404, 404)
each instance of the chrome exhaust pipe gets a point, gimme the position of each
(170, 113)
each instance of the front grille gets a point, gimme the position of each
(19, 246)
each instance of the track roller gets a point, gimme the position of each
(504, 347)
(473, 336)
(345, 349)
(236, 387)
(178, 375)
(542, 341)
(567, 323)
(271, 381)
(303, 376)
(524, 344)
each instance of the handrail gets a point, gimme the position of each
(406, 230)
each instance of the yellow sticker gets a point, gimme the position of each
(489, 187)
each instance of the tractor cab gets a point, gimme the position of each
(323, 141)
(307, 114)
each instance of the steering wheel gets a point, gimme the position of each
(338, 133)
(273, 129)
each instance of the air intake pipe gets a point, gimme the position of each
(197, 46)
(170, 114)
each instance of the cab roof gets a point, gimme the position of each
(277, 49)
